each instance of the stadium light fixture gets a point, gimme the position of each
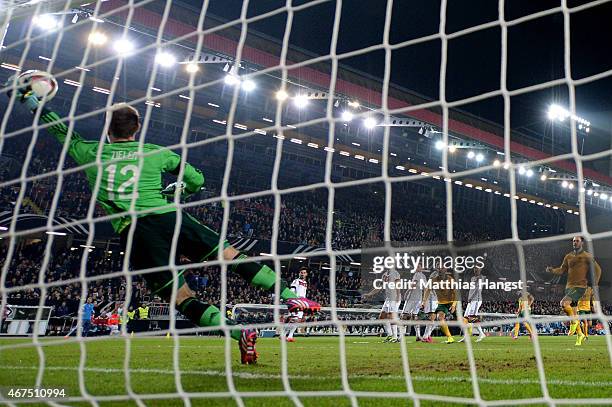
(192, 67)
(165, 59)
(570, 185)
(529, 173)
(604, 196)
(440, 145)
(543, 177)
(556, 112)
(123, 46)
(97, 38)
(496, 163)
(248, 85)
(231, 80)
(46, 22)
(452, 149)
(479, 157)
(300, 101)
(589, 192)
(281, 95)
(564, 184)
(354, 104)
(347, 116)
(369, 122)
(521, 170)
(471, 154)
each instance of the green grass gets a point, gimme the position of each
(506, 370)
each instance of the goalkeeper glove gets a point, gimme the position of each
(171, 189)
(28, 98)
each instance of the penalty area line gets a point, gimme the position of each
(249, 375)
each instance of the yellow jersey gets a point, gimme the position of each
(578, 266)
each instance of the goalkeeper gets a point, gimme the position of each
(154, 229)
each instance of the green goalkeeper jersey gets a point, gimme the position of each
(121, 172)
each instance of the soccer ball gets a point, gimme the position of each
(41, 83)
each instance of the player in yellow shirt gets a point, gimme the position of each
(447, 299)
(524, 305)
(582, 270)
(584, 308)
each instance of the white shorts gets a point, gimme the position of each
(412, 307)
(472, 308)
(430, 306)
(391, 306)
(296, 316)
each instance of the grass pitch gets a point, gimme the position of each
(506, 370)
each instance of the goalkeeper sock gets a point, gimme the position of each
(480, 331)
(203, 314)
(528, 327)
(260, 275)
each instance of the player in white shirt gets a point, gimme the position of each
(390, 307)
(470, 316)
(429, 308)
(299, 286)
(413, 301)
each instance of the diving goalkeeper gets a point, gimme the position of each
(154, 229)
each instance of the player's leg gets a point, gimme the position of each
(443, 326)
(417, 328)
(200, 243)
(394, 325)
(467, 314)
(297, 317)
(150, 248)
(476, 321)
(384, 316)
(568, 303)
(517, 326)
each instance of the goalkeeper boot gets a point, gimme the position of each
(303, 304)
(248, 354)
(450, 339)
(572, 328)
(580, 339)
(481, 337)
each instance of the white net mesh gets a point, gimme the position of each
(59, 249)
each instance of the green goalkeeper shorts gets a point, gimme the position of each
(152, 244)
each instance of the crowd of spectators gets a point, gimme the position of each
(358, 218)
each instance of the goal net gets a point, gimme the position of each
(391, 161)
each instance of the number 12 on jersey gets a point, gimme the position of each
(125, 176)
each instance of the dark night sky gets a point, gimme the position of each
(535, 49)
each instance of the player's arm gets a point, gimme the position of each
(370, 294)
(294, 286)
(597, 271)
(559, 270)
(425, 296)
(78, 148)
(192, 177)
